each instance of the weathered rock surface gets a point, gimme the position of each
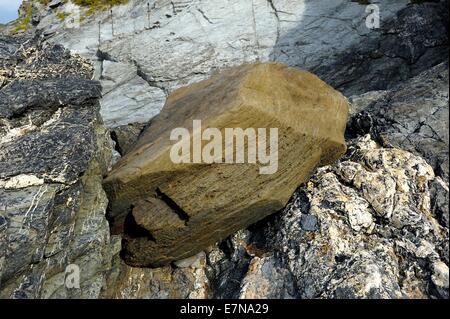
(376, 235)
(53, 153)
(125, 282)
(187, 41)
(183, 42)
(362, 228)
(126, 136)
(127, 97)
(170, 211)
(411, 39)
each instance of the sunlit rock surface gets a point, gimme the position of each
(142, 56)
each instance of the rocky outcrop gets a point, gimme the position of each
(53, 153)
(374, 234)
(362, 228)
(413, 116)
(143, 56)
(170, 209)
(398, 92)
(411, 39)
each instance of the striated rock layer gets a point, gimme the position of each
(53, 153)
(170, 211)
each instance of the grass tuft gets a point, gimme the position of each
(98, 5)
(22, 25)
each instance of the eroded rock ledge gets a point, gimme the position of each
(53, 153)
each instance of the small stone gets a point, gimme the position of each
(265, 279)
(126, 136)
(196, 261)
(440, 278)
(308, 222)
(54, 4)
(3, 222)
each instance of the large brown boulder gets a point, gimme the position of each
(168, 211)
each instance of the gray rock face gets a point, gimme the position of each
(127, 97)
(145, 56)
(410, 40)
(53, 152)
(45, 93)
(413, 116)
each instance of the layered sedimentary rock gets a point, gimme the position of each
(53, 153)
(170, 210)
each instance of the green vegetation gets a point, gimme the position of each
(61, 15)
(22, 25)
(99, 2)
(91, 5)
(97, 5)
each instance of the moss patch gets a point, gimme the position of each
(61, 15)
(98, 5)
